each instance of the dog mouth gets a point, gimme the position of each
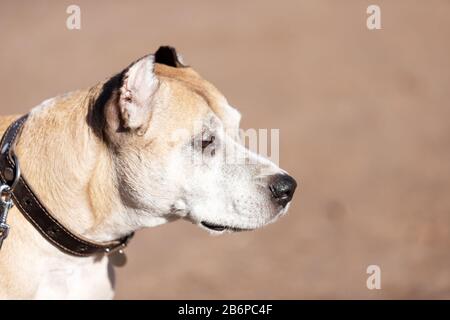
(221, 228)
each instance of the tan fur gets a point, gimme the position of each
(58, 158)
(70, 169)
(107, 181)
(196, 84)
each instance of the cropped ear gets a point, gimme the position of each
(124, 102)
(135, 94)
(168, 55)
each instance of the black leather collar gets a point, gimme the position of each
(36, 213)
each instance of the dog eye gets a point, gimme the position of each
(207, 142)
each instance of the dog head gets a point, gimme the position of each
(174, 141)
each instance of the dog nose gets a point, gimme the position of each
(282, 188)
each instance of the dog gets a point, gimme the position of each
(118, 157)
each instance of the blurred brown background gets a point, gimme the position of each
(365, 128)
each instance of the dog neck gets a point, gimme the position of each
(72, 171)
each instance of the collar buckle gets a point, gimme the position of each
(5, 205)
